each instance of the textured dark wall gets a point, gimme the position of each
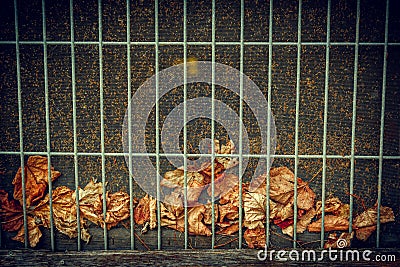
(312, 81)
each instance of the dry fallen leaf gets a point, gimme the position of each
(197, 219)
(117, 208)
(36, 180)
(11, 215)
(34, 233)
(331, 223)
(142, 211)
(64, 213)
(195, 183)
(302, 223)
(282, 188)
(90, 202)
(254, 210)
(228, 211)
(365, 223)
(228, 228)
(255, 238)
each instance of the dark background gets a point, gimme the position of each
(312, 71)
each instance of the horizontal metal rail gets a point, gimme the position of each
(105, 43)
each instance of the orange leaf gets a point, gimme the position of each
(11, 215)
(34, 233)
(255, 238)
(117, 208)
(36, 180)
(331, 223)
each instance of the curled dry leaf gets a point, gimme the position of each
(228, 228)
(117, 208)
(196, 221)
(142, 211)
(11, 215)
(282, 188)
(223, 185)
(36, 180)
(254, 210)
(64, 213)
(255, 238)
(195, 182)
(90, 202)
(302, 223)
(34, 233)
(228, 212)
(365, 232)
(153, 214)
(333, 206)
(331, 223)
(197, 218)
(365, 223)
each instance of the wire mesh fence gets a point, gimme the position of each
(328, 71)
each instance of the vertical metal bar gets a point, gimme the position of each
(240, 123)
(354, 118)
(296, 134)
(20, 127)
(48, 143)
(326, 99)
(382, 130)
(103, 165)
(73, 81)
(185, 200)
(128, 66)
(212, 120)
(157, 126)
(267, 210)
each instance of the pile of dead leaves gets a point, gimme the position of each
(63, 203)
(281, 206)
(199, 216)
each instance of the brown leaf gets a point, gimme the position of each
(176, 178)
(228, 228)
(281, 184)
(223, 185)
(365, 223)
(11, 215)
(142, 210)
(196, 221)
(282, 188)
(365, 232)
(64, 213)
(228, 211)
(331, 205)
(195, 182)
(153, 214)
(34, 233)
(305, 195)
(208, 213)
(302, 223)
(90, 202)
(331, 223)
(117, 208)
(36, 180)
(344, 240)
(255, 238)
(254, 210)
(369, 217)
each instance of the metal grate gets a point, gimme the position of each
(242, 44)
